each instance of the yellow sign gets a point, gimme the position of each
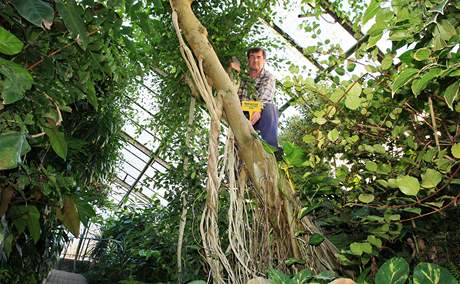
(251, 107)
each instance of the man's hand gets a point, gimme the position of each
(255, 117)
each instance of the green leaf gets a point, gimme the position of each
(306, 210)
(431, 178)
(12, 146)
(371, 166)
(374, 241)
(267, 147)
(451, 94)
(360, 248)
(326, 275)
(420, 84)
(430, 273)
(353, 101)
(333, 135)
(355, 89)
(72, 14)
(308, 138)
(371, 11)
(373, 40)
(456, 150)
(408, 185)
(9, 43)
(387, 62)
(69, 216)
(402, 78)
(446, 30)
(302, 277)
(58, 142)
(366, 198)
(340, 71)
(315, 239)
(393, 271)
(422, 54)
(37, 12)
(17, 81)
(91, 94)
(399, 35)
(24, 216)
(278, 277)
(417, 211)
(294, 155)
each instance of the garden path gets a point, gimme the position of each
(63, 277)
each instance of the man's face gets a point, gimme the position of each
(256, 61)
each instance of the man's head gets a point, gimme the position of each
(256, 58)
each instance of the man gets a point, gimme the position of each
(265, 121)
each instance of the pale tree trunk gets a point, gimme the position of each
(277, 204)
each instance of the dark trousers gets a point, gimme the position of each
(268, 124)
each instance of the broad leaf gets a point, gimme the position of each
(366, 198)
(408, 185)
(12, 146)
(294, 155)
(315, 239)
(72, 15)
(91, 94)
(371, 11)
(70, 217)
(325, 275)
(456, 150)
(430, 273)
(278, 277)
(360, 248)
(393, 271)
(333, 135)
(353, 102)
(17, 81)
(451, 94)
(28, 216)
(371, 166)
(446, 30)
(431, 178)
(422, 54)
(37, 12)
(418, 85)
(402, 79)
(9, 43)
(58, 142)
(374, 241)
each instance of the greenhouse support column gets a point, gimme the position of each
(78, 249)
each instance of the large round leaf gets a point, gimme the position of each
(393, 271)
(17, 81)
(456, 150)
(9, 43)
(12, 146)
(429, 273)
(37, 12)
(431, 178)
(408, 185)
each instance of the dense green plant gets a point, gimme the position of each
(64, 72)
(394, 271)
(140, 244)
(377, 157)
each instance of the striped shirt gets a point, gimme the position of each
(264, 87)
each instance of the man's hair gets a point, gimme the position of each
(255, 50)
